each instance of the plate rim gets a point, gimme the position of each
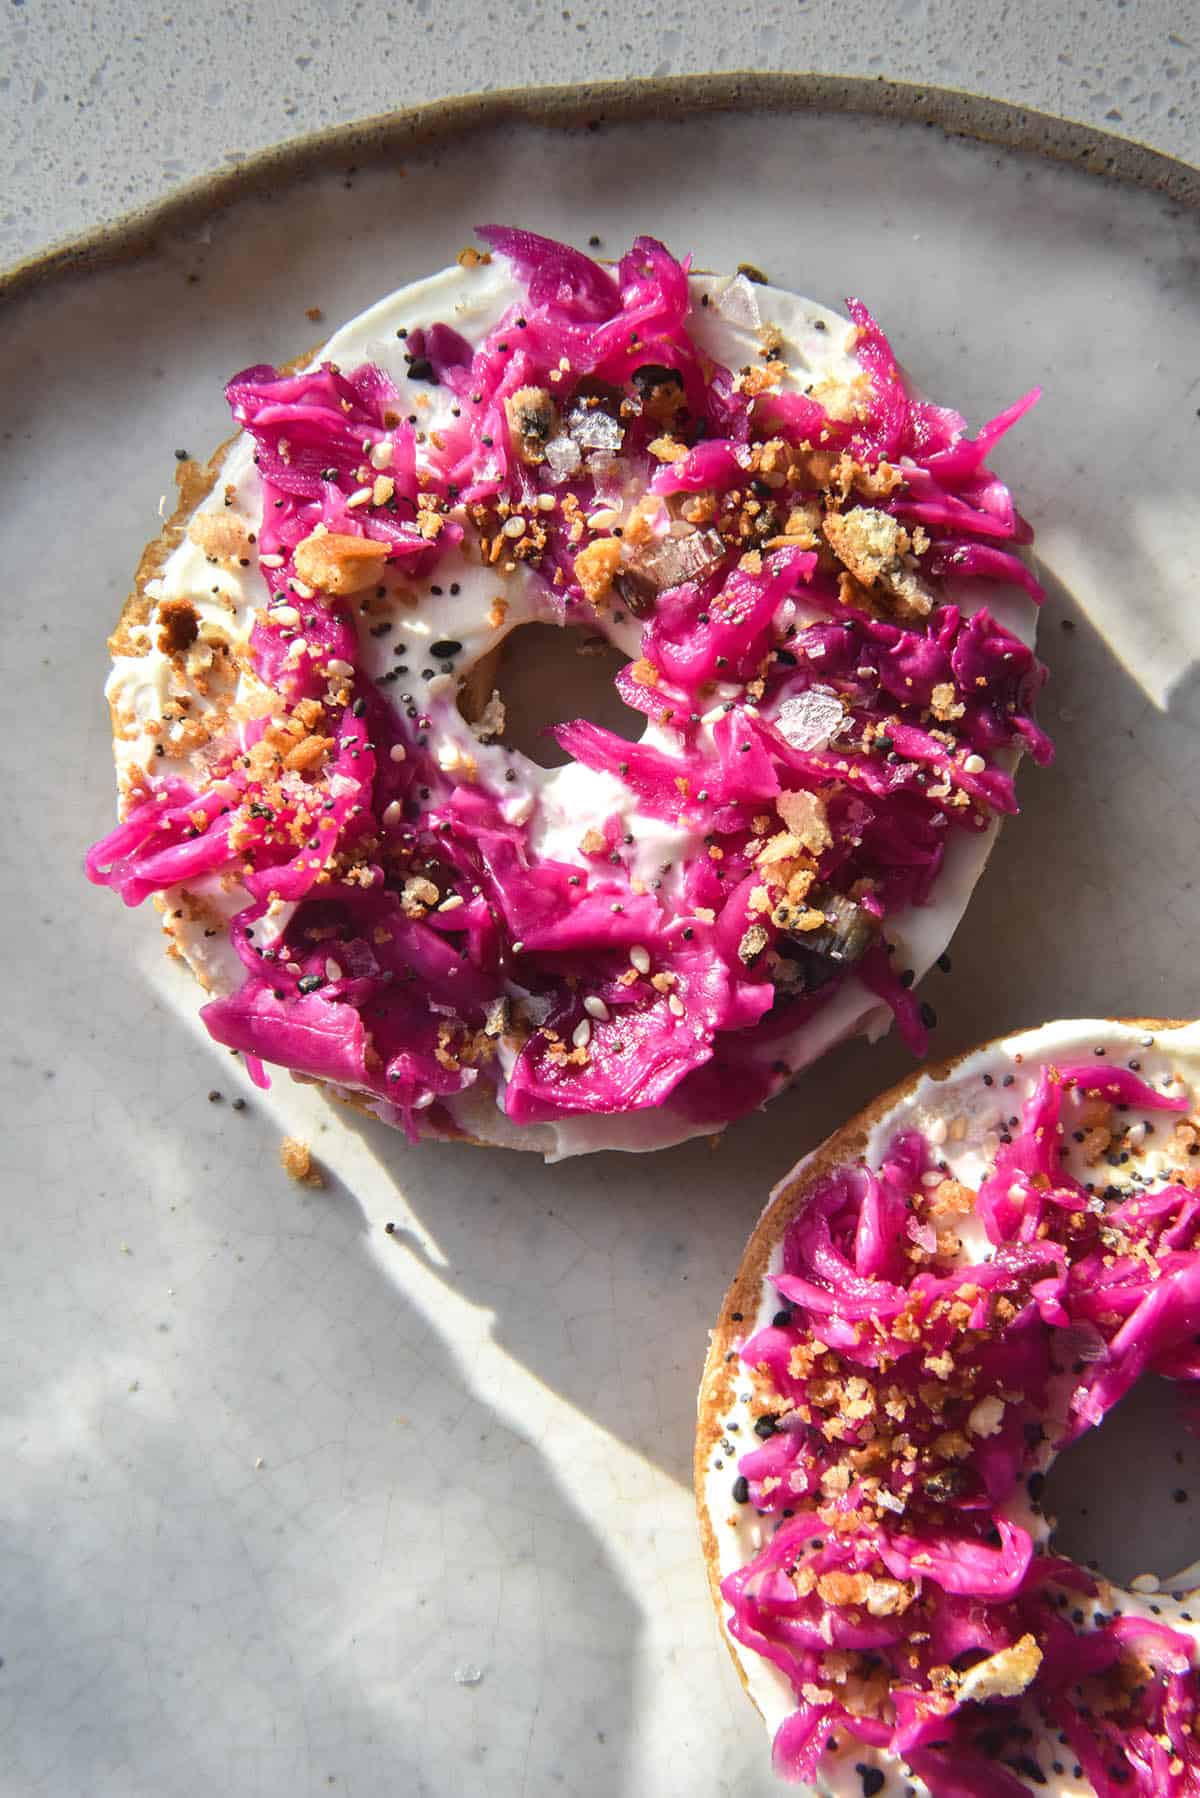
(383, 137)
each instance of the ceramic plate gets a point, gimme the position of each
(293, 1504)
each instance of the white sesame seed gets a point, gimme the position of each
(1144, 1582)
(287, 615)
(452, 903)
(675, 1005)
(393, 813)
(545, 502)
(333, 969)
(936, 1131)
(604, 519)
(271, 561)
(596, 1008)
(640, 958)
(302, 588)
(515, 526)
(398, 752)
(517, 948)
(359, 497)
(974, 764)
(718, 711)
(581, 1036)
(381, 454)
(342, 670)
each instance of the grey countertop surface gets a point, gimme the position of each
(108, 106)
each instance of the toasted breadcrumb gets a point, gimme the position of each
(296, 1159)
(872, 546)
(335, 563)
(596, 566)
(1003, 1675)
(178, 626)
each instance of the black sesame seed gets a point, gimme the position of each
(444, 647)
(764, 1426)
(741, 1490)
(871, 1779)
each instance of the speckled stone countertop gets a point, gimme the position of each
(108, 106)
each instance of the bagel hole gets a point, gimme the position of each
(1116, 1491)
(549, 674)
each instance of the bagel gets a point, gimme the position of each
(961, 1281)
(812, 581)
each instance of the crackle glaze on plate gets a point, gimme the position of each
(293, 1504)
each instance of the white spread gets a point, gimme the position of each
(560, 803)
(972, 1114)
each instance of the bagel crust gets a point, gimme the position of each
(964, 1105)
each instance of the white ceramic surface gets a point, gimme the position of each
(272, 1476)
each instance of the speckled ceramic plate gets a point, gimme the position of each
(295, 1503)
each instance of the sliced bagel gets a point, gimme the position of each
(932, 1303)
(185, 683)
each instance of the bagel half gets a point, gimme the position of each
(965, 1108)
(731, 322)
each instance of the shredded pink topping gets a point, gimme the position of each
(881, 708)
(911, 1398)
